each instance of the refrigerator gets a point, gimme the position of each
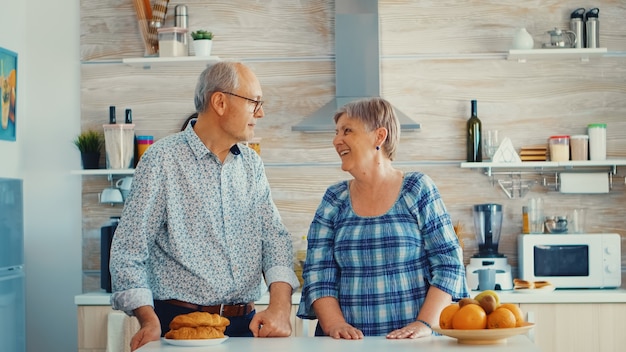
(12, 283)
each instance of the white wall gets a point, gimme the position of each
(48, 112)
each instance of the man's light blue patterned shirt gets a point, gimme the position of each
(197, 230)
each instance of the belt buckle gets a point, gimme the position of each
(222, 310)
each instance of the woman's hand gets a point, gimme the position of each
(411, 331)
(344, 331)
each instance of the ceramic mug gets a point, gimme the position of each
(124, 185)
(111, 195)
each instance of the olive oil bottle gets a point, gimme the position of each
(474, 136)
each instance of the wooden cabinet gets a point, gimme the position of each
(93, 329)
(573, 327)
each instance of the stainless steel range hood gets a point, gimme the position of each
(357, 64)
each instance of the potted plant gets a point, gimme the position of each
(90, 143)
(202, 42)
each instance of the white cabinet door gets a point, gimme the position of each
(574, 327)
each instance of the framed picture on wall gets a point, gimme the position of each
(8, 94)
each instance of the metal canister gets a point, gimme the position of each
(180, 16)
(593, 28)
(577, 25)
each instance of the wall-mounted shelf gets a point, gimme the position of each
(564, 53)
(509, 175)
(103, 172)
(109, 173)
(148, 62)
(539, 166)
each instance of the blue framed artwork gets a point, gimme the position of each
(8, 94)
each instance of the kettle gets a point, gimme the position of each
(561, 39)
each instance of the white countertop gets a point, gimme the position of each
(519, 343)
(617, 295)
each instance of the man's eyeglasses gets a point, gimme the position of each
(257, 103)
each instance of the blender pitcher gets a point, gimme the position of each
(487, 225)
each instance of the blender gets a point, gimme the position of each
(487, 225)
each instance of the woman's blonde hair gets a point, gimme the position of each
(375, 113)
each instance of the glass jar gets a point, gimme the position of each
(559, 148)
(597, 141)
(579, 146)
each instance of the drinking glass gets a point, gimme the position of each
(491, 143)
(535, 215)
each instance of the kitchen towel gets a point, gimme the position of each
(592, 182)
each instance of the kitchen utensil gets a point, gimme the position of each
(593, 28)
(180, 16)
(119, 144)
(491, 143)
(124, 185)
(579, 146)
(196, 343)
(560, 39)
(487, 226)
(556, 224)
(535, 215)
(577, 224)
(577, 25)
(487, 278)
(597, 141)
(111, 195)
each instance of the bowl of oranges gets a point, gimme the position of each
(482, 320)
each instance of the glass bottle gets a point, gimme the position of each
(474, 142)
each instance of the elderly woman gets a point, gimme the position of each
(382, 256)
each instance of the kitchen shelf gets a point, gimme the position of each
(103, 172)
(148, 62)
(564, 53)
(539, 166)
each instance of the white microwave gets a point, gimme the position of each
(571, 260)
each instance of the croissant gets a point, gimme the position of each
(200, 332)
(197, 325)
(196, 319)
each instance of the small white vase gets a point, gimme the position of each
(202, 47)
(523, 40)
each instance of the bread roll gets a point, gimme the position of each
(197, 325)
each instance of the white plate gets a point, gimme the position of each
(544, 289)
(191, 343)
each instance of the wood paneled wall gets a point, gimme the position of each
(436, 57)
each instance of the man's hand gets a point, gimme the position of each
(150, 327)
(275, 320)
(271, 323)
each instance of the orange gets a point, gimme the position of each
(445, 318)
(501, 318)
(470, 317)
(517, 312)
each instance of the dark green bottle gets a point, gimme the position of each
(474, 136)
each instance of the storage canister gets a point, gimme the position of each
(559, 148)
(119, 144)
(143, 142)
(597, 141)
(172, 41)
(579, 146)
